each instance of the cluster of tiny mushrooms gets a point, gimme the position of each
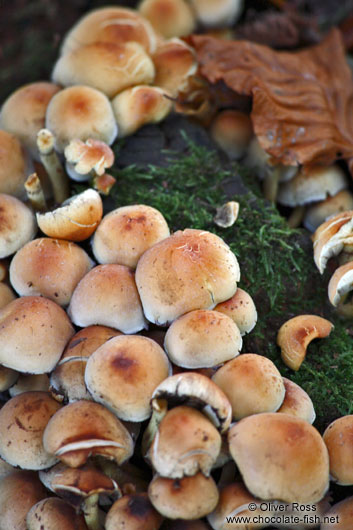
(155, 369)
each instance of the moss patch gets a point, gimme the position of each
(276, 265)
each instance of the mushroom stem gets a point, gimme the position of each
(271, 181)
(35, 193)
(296, 216)
(91, 512)
(159, 410)
(52, 164)
(103, 183)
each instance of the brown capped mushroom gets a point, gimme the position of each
(331, 237)
(319, 212)
(232, 132)
(85, 428)
(169, 18)
(123, 373)
(107, 295)
(252, 384)
(33, 334)
(22, 422)
(186, 498)
(297, 402)
(139, 105)
(80, 112)
(126, 233)
(76, 219)
(339, 516)
(192, 269)
(84, 157)
(133, 512)
(338, 438)
(52, 513)
(50, 268)
(17, 225)
(105, 66)
(202, 339)
(294, 336)
(14, 166)
(289, 460)
(241, 309)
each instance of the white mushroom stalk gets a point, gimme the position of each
(35, 193)
(52, 164)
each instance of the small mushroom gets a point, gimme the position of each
(297, 402)
(80, 112)
(169, 18)
(338, 438)
(107, 295)
(186, 442)
(241, 309)
(213, 13)
(126, 233)
(76, 219)
(139, 105)
(202, 339)
(18, 225)
(14, 166)
(191, 269)
(23, 112)
(289, 460)
(54, 513)
(252, 384)
(113, 24)
(340, 284)
(33, 334)
(85, 428)
(123, 373)
(86, 157)
(232, 132)
(105, 66)
(294, 336)
(133, 512)
(22, 422)
(186, 498)
(339, 516)
(50, 268)
(319, 212)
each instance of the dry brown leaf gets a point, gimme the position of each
(302, 102)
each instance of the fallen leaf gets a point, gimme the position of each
(302, 101)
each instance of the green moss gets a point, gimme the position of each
(276, 263)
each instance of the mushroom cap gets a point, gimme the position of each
(85, 428)
(342, 516)
(19, 491)
(202, 339)
(313, 184)
(8, 377)
(106, 66)
(17, 225)
(295, 335)
(217, 12)
(14, 166)
(133, 512)
(22, 422)
(169, 18)
(174, 61)
(90, 155)
(186, 498)
(33, 334)
(252, 384)
(107, 295)
(192, 269)
(338, 438)
(319, 212)
(53, 513)
(241, 309)
(86, 341)
(76, 219)
(297, 402)
(341, 283)
(331, 237)
(80, 112)
(201, 392)
(6, 295)
(27, 383)
(23, 112)
(123, 373)
(49, 267)
(232, 132)
(136, 106)
(289, 460)
(5, 469)
(116, 25)
(126, 233)
(186, 442)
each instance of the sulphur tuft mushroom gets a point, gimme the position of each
(86, 157)
(338, 438)
(54, 513)
(169, 18)
(133, 512)
(297, 402)
(232, 132)
(17, 225)
(240, 308)
(15, 166)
